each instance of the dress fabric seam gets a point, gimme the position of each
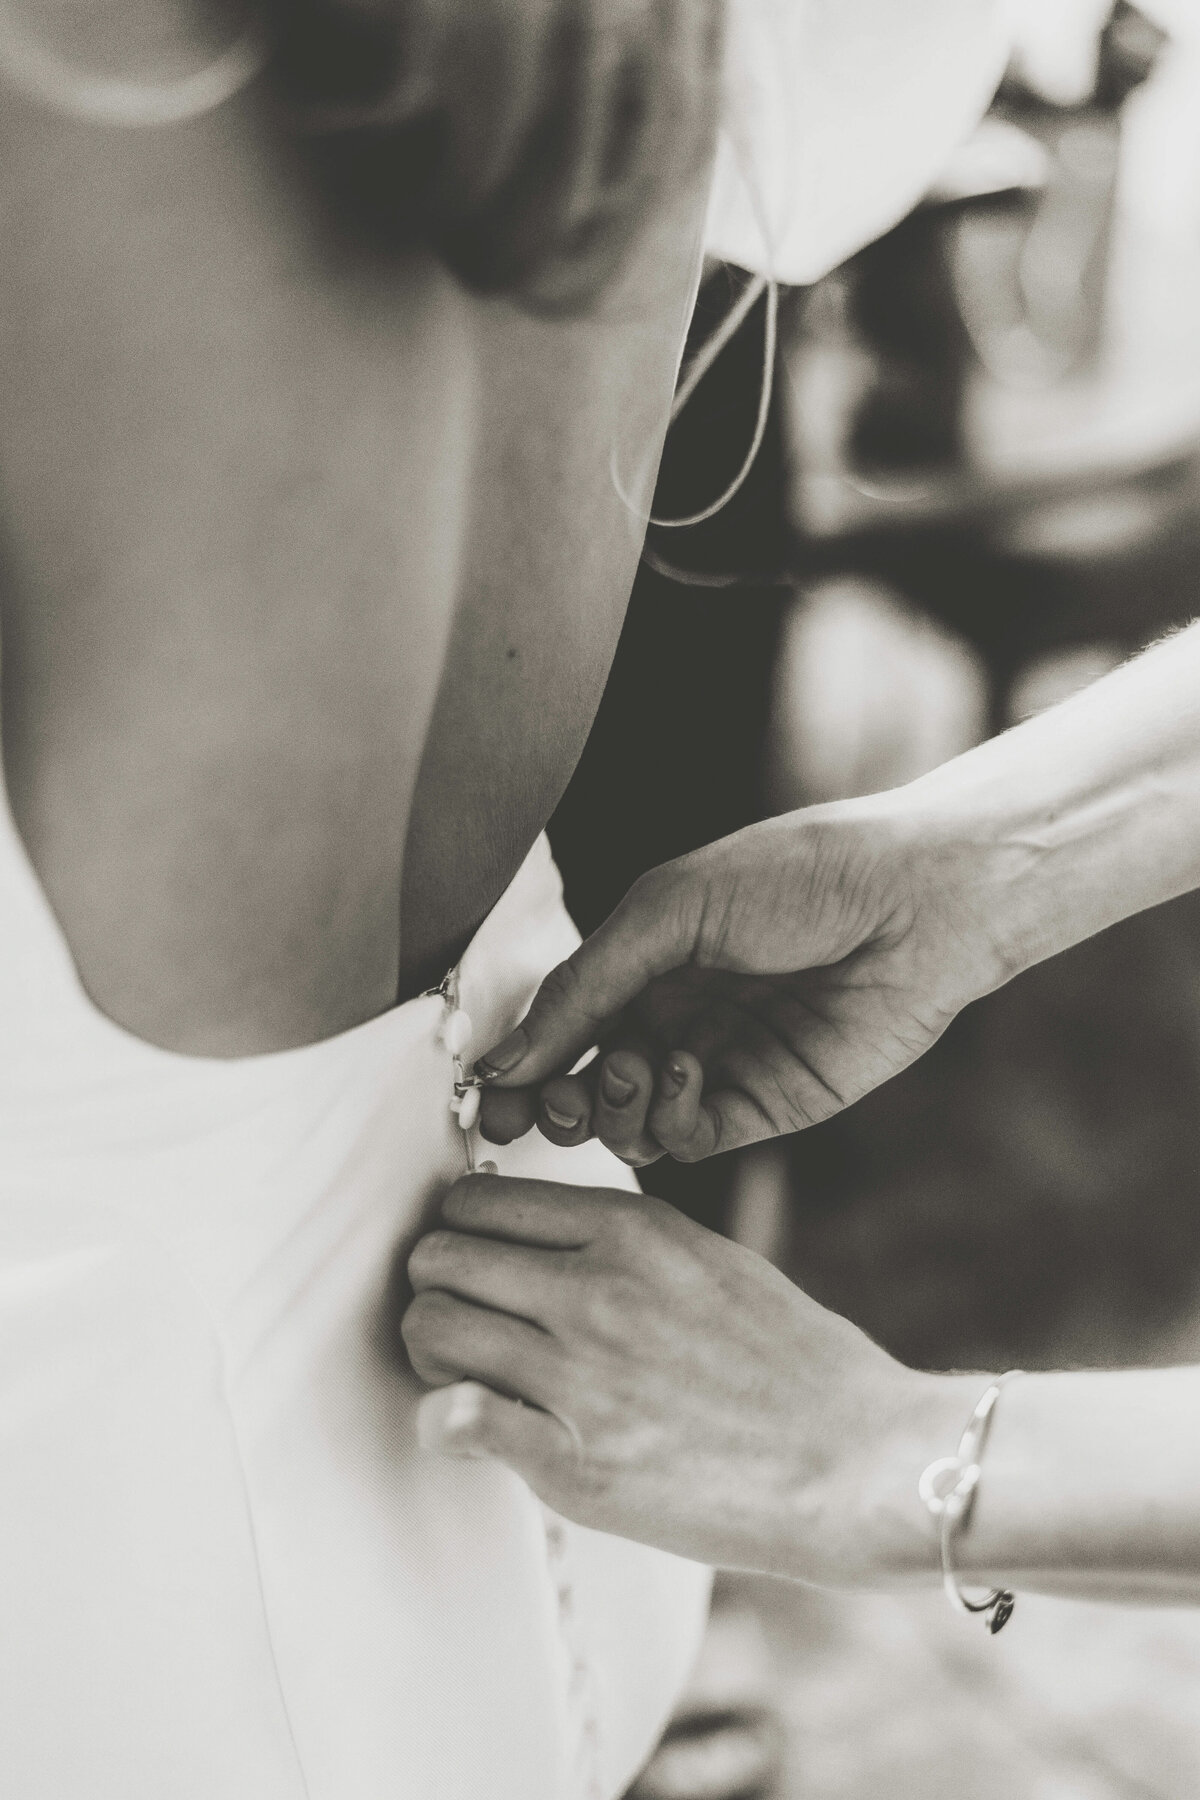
(222, 1348)
(260, 1580)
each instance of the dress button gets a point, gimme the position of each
(456, 1032)
(468, 1108)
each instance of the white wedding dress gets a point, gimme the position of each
(227, 1571)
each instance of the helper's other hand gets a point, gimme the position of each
(649, 1378)
(756, 986)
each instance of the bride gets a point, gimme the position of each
(337, 355)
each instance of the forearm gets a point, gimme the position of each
(1082, 816)
(1090, 1487)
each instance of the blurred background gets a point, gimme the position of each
(980, 490)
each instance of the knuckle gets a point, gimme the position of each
(591, 1308)
(560, 987)
(669, 892)
(680, 1270)
(613, 1446)
(656, 1216)
(630, 1217)
(652, 884)
(650, 898)
(648, 1239)
(645, 890)
(792, 1115)
(607, 1305)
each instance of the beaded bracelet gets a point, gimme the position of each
(948, 1488)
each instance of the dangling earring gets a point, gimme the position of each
(100, 100)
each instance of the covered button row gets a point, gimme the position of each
(456, 1035)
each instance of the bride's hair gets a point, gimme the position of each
(529, 140)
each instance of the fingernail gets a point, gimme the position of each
(507, 1054)
(485, 1168)
(616, 1089)
(564, 1121)
(673, 1079)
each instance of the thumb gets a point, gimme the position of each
(470, 1420)
(651, 931)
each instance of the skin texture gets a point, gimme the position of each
(297, 532)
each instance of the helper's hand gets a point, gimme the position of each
(651, 1379)
(754, 987)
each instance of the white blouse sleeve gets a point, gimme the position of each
(839, 115)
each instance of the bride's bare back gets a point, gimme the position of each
(313, 571)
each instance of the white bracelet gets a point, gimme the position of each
(948, 1488)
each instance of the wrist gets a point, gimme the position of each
(1003, 888)
(970, 882)
(898, 1528)
(1076, 818)
(1088, 1487)
(866, 1513)
(1014, 871)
